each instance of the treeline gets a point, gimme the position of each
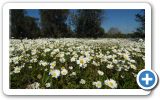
(67, 23)
(22, 26)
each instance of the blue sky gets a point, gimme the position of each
(123, 19)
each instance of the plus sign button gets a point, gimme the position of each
(147, 79)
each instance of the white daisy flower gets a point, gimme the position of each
(54, 73)
(98, 84)
(62, 60)
(17, 69)
(82, 62)
(82, 81)
(48, 85)
(126, 56)
(47, 50)
(70, 67)
(34, 85)
(43, 63)
(73, 59)
(73, 74)
(101, 73)
(53, 64)
(111, 83)
(133, 66)
(110, 66)
(29, 67)
(64, 71)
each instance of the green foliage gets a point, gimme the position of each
(32, 30)
(53, 23)
(88, 23)
(57, 23)
(17, 22)
(23, 26)
(140, 17)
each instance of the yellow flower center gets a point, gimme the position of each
(99, 84)
(81, 61)
(54, 75)
(110, 83)
(63, 67)
(53, 65)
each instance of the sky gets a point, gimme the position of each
(123, 19)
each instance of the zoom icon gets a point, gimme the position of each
(147, 79)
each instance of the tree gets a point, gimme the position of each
(53, 23)
(140, 18)
(31, 28)
(88, 23)
(17, 23)
(114, 30)
(23, 26)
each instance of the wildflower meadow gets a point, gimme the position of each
(71, 63)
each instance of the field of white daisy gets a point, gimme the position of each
(72, 63)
